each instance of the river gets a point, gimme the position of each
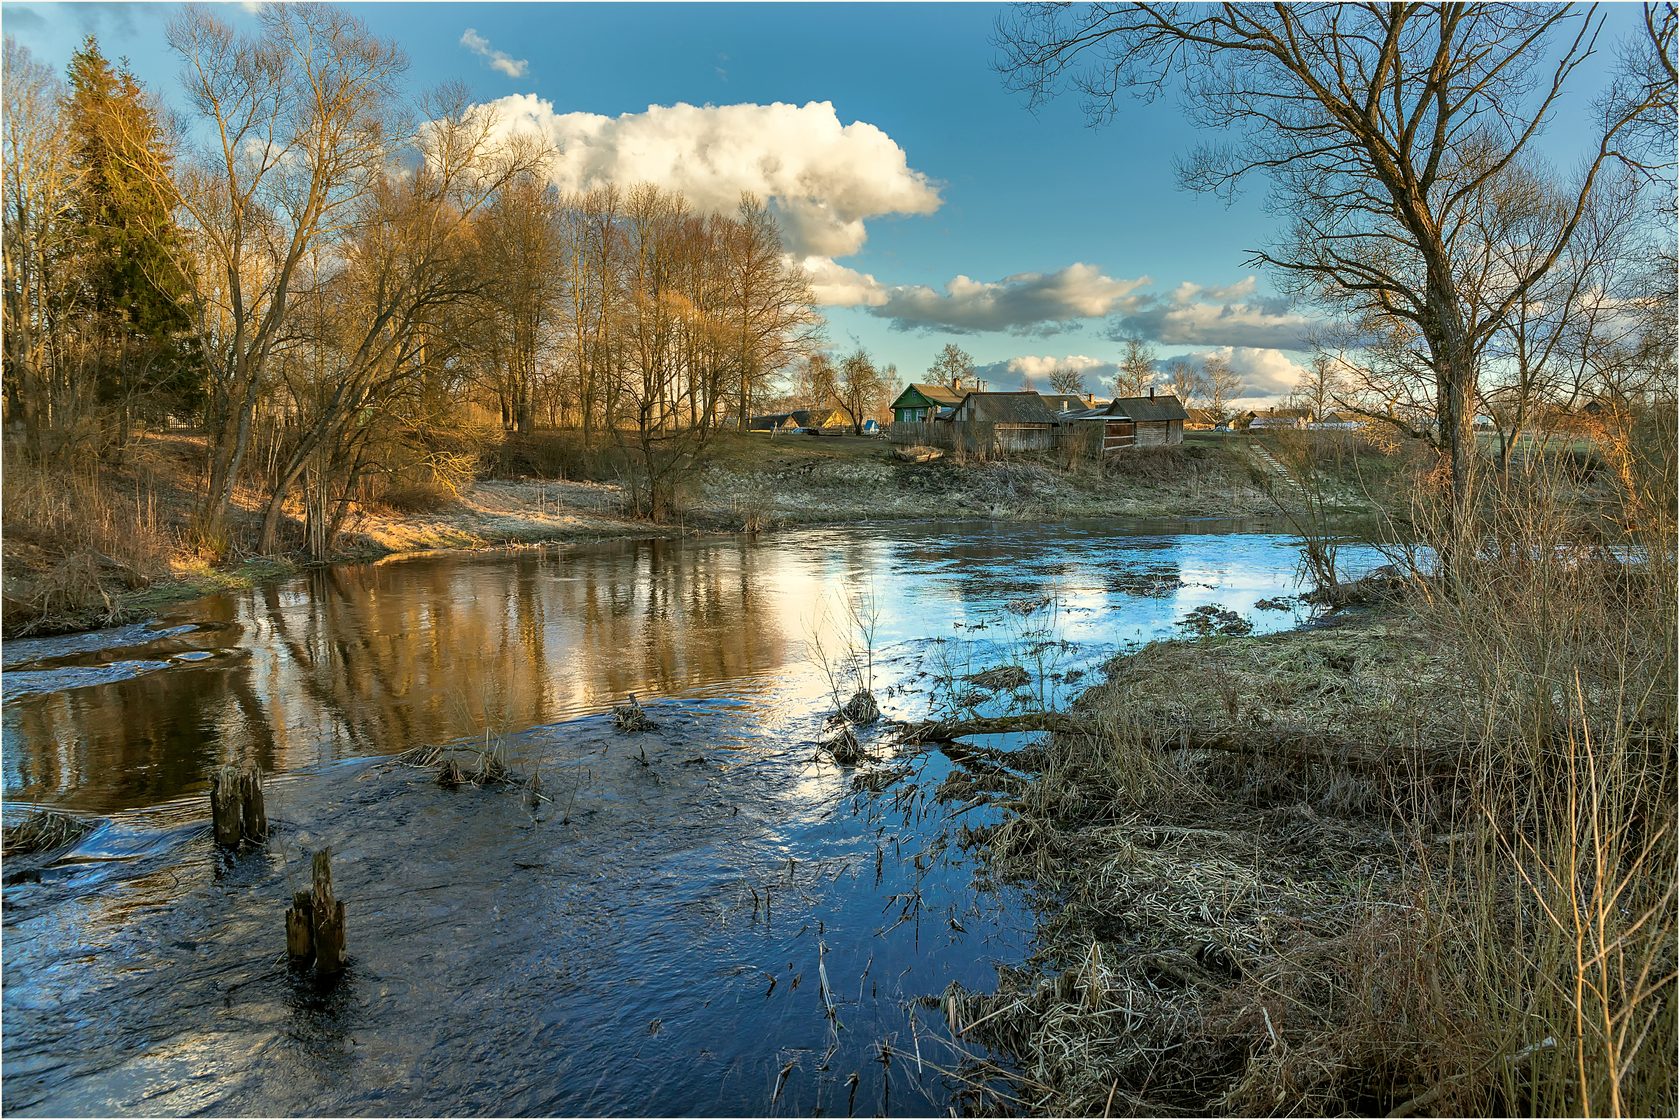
(702, 919)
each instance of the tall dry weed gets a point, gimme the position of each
(1554, 597)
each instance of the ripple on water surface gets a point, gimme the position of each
(649, 937)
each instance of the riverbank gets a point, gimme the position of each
(1268, 882)
(104, 548)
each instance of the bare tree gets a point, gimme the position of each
(1317, 392)
(39, 182)
(1185, 381)
(300, 125)
(953, 366)
(1221, 384)
(861, 388)
(1378, 125)
(1066, 379)
(1137, 368)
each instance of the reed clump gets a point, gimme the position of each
(1476, 918)
(44, 830)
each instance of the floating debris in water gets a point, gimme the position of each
(629, 716)
(1001, 678)
(43, 831)
(1212, 618)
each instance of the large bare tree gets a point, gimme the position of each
(1379, 126)
(298, 123)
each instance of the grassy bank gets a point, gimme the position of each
(98, 544)
(1420, 861)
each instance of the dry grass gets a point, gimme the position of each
(1230, 933)
(44, 830)
(77, 537)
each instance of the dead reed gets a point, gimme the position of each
(1241, 933)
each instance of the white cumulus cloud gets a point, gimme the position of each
(835, 285)
(824, 179)
(500, 61)
(1233, 315)
(1025, 303)
(1267, 374)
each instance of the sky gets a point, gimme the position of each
(928, 203)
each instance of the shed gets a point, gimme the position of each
(1158, 421)
(779, 422)
(1060, 403)
(920, 400)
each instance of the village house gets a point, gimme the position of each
(1152, 421)
(1275, 418)
(1068, 402)
(831, 418)
(1016, 421)
(920, 402)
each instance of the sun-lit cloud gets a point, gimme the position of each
(1195, 315)
(824, 179)
(499, 61)
(835, 285)
(1266, 373)
(1025, 303)
(1035, 369)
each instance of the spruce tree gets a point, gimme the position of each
(133, 288)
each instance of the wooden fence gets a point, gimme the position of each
(975, 440)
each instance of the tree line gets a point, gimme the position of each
(335, 281)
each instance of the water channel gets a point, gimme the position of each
(655, 938)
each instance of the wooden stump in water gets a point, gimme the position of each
(315, 922)
(236, 806)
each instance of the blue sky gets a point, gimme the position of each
(902, 163)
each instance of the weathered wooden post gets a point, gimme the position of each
(236, 806)
(315, 922)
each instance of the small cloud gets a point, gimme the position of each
(835, 285)
(499, 60)
(1025, 303)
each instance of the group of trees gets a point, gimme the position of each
(329, 278)
(1402, 140)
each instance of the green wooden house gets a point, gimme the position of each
(919, 402)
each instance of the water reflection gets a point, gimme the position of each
(372, 659)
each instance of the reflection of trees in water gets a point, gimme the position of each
(372, 659)
(137, 741)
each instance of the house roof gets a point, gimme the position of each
(1064, 402)
(1147, 409)
(1024, 407)
(769, 423)
(938, 394)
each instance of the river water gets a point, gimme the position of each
(707, 918)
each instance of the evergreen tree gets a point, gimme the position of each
(133, 290)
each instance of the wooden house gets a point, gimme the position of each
(776, 424)
(920, 402)
(1158, 421)
(1276, 418)
(1067, 402)
(1005, 422)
